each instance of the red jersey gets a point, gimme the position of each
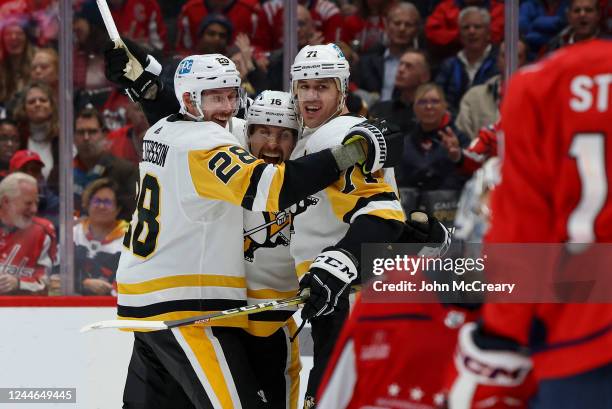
(141, 21)
(122, 144)
(393, 356)
(367, 32)
(29, 254)
(556, 171)
(269, 35)
(480, 150)
(442, 27)
(242, 14)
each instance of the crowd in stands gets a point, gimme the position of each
(434, 68)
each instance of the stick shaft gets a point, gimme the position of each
(109, 23)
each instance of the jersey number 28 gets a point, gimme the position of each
(142, 237)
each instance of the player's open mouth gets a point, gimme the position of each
(312, 109)
(273, 158)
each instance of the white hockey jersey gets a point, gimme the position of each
(327, 214)
(183, 251)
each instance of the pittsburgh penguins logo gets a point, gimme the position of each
(276, 229)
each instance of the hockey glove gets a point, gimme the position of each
(423, 228)
(384, 144)
(329, 280)
(133, 70)
(488, 377)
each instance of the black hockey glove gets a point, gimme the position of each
(384, 141)
(132, 69)
(423, 228)
(329, 280)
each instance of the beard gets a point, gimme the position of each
(19, 220)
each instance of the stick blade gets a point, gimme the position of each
(126, 324)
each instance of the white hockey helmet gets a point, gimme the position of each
(272, 108)
(198, 73)
(321, 61)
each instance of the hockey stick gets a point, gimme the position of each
(203, 319)
(133, 68)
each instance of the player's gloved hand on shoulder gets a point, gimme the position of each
(421, 227)
(384, 142)
(328, 280)
(133, 69)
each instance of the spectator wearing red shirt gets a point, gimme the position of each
(242, 14)
(141, 21)
(126, 142)
(28, 246)
(442, 28)
(269, 35)
(366, 27)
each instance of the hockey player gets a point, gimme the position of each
(557, 160)
(183, 250)
(357, 209)
(271, 134)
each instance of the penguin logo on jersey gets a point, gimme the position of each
(269, 234)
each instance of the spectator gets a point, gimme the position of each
(28, 247)
(98, 239)
(43, 18)
(15, 56)
(45, 67)
(325, 15)
(93, 161)
(126, 142)
(540, 21)
(38, 123)
(475, 63)
(29, 162)
(425, 166)
(376, 72)
(269, 66)
(240, 12)
(366, 27)
(88, 78)
(9, 144)
(480, 105)
(214, 33)
(141, 21)
(252, 78)
(413, 71)
(583, 17)
(442, 28)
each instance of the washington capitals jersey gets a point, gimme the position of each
(557, 160)
(29, 254)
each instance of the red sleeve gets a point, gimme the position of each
(480, 150)
(341, 368)
(524, 173)
(441, 26)
(332, 28)
(351, 28)
(264, 33)
(191, 15)
(497, 22)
